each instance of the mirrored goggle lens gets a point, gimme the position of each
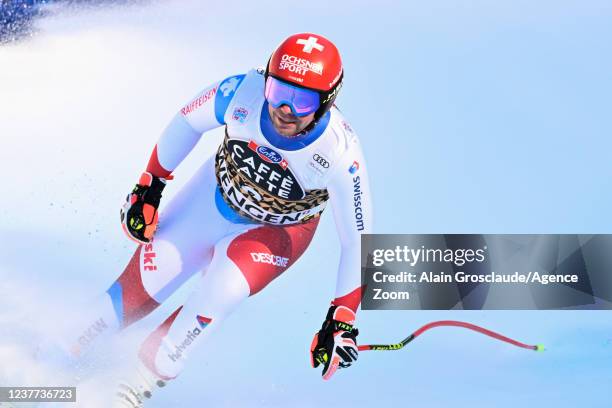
(301, 101)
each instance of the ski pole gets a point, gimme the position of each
(449, 323)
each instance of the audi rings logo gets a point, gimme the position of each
(321, 160)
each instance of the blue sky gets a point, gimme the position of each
(475, 117)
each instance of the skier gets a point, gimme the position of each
(247, 214)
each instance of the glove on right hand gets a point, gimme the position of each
(139, 213)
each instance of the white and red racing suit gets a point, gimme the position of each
(244, 218)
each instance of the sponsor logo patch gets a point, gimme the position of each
(266, 168)
(93, 331)
(347, 127)
(148, 260)
(190, 337)
(240, 114)
(319, 163)
(321, 160)
(262, 190)
(199, 101)
(204, 321)
(262, 257)
(228, 87)
(357, 203)
(266, 153)
(336, 78)
(354, 167)
(299, 66)
(333, 94)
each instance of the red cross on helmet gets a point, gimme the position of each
(309, 61)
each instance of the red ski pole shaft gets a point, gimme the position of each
(450, 323)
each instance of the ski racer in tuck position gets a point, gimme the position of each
(247, 214)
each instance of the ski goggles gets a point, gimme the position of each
(301, 101)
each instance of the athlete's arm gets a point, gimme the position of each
(335, 345)
(352, 207)
(204, 112)
(139, 215)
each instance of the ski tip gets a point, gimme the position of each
(539, 347)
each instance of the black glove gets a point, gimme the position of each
(139, 213)
(335, 345)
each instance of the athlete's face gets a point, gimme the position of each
(286, 123)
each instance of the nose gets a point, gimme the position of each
(286, 110)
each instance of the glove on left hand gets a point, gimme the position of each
(335, 345)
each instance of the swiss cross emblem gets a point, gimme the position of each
(309, 44)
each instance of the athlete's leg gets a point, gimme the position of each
(242, 265)
(188, 229)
